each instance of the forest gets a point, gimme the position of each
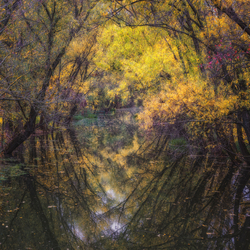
(184, 65)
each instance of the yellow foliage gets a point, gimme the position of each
(190, 100)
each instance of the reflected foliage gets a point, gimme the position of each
(186, 196)
(116, 186)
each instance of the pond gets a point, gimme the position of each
(110, 184)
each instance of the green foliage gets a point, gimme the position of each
(179, 144)
(78, 117)
(16, 171)
(11, 171)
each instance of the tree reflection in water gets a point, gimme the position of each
(117, 187)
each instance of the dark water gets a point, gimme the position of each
(107, 184)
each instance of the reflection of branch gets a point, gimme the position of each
(127, 199)
(68, 229)
(155, 180)
(17, 211)
(76, 145)
(51, 239)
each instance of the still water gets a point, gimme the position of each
(110, 184)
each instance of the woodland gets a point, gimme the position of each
(184, 63)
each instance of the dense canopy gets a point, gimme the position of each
(185, 64)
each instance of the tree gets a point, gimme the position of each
(37, 74)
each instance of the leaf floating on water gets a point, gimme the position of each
(51, 206)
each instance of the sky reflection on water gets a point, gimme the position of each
(115, 187)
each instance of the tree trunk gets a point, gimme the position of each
(22, 136)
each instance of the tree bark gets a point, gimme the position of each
(232, 15)
(22, 136)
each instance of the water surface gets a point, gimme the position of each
(108, 184)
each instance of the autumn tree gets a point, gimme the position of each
(41, 69)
